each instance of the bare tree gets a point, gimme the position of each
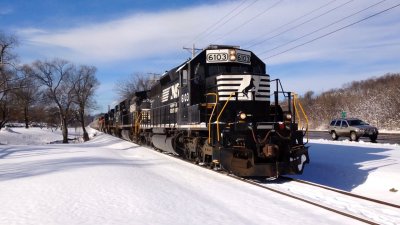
(136, 82)
(27, 94)
(55, 77)
(4, 97)
(85, 83)
(7, 43)
(8, 74)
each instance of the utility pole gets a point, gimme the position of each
(193, 50)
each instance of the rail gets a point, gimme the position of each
(284, 178)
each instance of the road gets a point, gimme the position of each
(382, 137)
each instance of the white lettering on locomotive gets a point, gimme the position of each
(185, 97)
(225, 55)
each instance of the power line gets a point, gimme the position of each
(229, 19)
(292, 28)
(252, 42)
(315, 31)
(193, 50)
(339, 29)
(249, 20)
(207, 30)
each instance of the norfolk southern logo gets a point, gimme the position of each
(246, 90)
(246, 87)
(170, 93)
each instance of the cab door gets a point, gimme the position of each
(183, 103)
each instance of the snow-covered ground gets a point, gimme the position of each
(365, 168)
(111, 181)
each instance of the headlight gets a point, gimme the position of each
(242, 115)
(232, 55)
(288, 116)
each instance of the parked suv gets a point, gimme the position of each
(353, 128)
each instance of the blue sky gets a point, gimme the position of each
(124, 37)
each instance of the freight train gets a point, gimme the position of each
(216, 110)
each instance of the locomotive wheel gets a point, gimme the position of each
(334, 136)
(353, 136)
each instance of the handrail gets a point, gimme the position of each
(140, 122)
(295, 108)
(137, 121)
(305, 117)
(212, 113)
(134, 122)
(222, 110)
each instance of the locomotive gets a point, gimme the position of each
(215, 109)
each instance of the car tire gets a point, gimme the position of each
(373, 138)
(334, 136)
(353, 136)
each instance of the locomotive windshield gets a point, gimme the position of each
(232, 61)
(233, 68)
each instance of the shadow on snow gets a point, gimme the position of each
(340, 166)
(32, 166)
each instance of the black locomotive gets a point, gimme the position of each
(215, 109)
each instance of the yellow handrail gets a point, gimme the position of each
(304, 114)
(222, 110)
(137, 121)
(212, 113)
(295, 108)
(140, 121)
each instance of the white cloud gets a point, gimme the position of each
(136, 36)
(358, 50)
(151, 34)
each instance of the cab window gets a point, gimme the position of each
(184, 78)
(216, 69)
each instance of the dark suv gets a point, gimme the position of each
(353, 128)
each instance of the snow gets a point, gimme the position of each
(111, 181)
(364, 168)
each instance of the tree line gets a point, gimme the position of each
(375, 101)
(55, 92)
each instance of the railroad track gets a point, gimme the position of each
(342, 192)
(368, 219)
(267, 185)
(253, 182)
